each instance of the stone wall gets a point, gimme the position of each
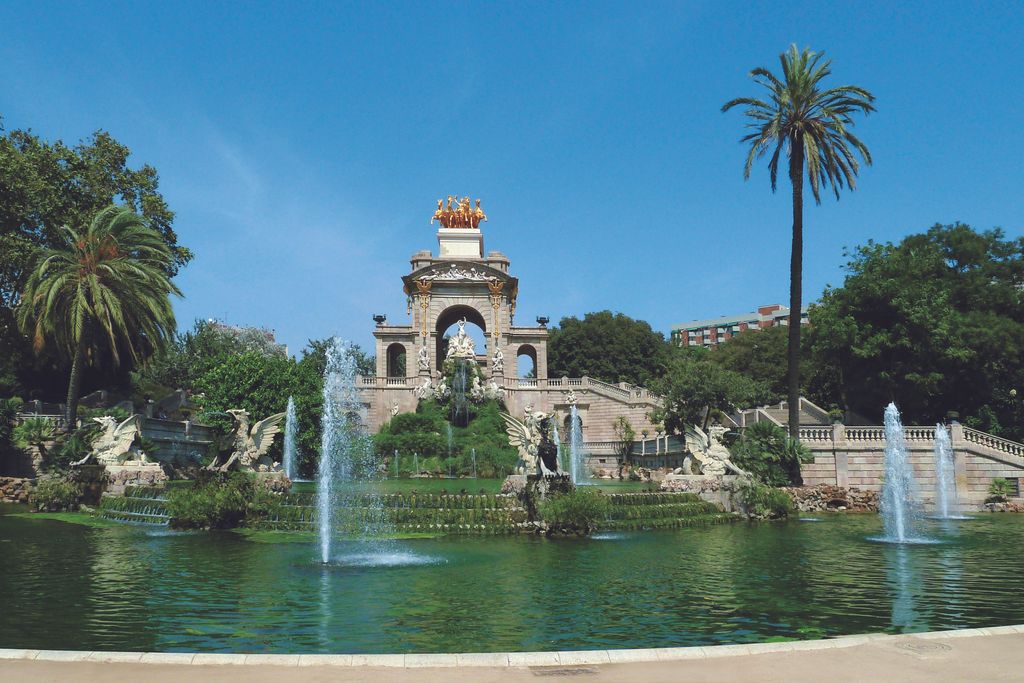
(14, 489)
(599, 403)
(855, 457)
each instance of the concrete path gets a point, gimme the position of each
(995, 654)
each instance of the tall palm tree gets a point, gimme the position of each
(811, 125)
(105, 290)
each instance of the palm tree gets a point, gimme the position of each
(813, 125)
(105, 290)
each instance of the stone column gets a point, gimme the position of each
(839, 450)
(959, 445)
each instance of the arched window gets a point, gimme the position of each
(448, 326)
(526, 362)
(396, 360)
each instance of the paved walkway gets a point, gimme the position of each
(989, 655)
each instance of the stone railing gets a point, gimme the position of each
(610, 388)
(396, 381)
(994, 442)
(525, 383)
(816, 434)
(865, 434)
(56, 420)
(919, 433)
(600, 447)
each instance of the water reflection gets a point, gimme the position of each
(127, 589)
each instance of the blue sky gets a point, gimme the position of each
(303, 145)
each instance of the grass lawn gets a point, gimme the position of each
(80, 518)
(419, 485)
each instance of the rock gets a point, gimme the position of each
(826, 497)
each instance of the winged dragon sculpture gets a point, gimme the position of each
(115, 443)
(538, 454)
(251, 444)
(710, 453)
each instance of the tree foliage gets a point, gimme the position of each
(934, 323)
(611, 347)
(693, 388)
(766, 451)
(813, 126)
(104, 292)
(46, 186)
(261, 384)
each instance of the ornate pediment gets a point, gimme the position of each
(453, 272)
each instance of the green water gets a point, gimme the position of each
(136, 588)
(431, 485)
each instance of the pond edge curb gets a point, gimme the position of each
(490, 659)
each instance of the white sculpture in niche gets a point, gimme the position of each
(461, 345)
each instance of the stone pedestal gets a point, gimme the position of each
(134, 474)
(460, 243)
(720, 489)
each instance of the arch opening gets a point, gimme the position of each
(526, 362)
(447, 326)
(396, 366)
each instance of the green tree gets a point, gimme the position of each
(261, 384)
(194, 352)
(935, 323)
(104, 292)
(765, 451)
(759, 355)
(812, 125)
(611, 347)
(694, 388)
(625, 437)
(48, 185)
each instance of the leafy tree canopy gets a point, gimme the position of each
(611, 347)
(694, 388)
(261, 384)
(46, 186)
(935, 323)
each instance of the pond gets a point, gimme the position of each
(67, 586)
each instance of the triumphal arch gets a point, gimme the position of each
(460, 284)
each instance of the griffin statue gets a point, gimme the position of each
(710, 453)
(251, 444)
(115, 443)
(538, 453)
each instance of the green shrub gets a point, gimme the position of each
(34, 431)
(999, 490)
(220, 501)
(55, 494)
(765, 451)
(764, 501)
(9, 408)
(579, 511)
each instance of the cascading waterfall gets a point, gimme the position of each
(945, 478)
(290, 426)
(398, 471)
(899, 513)
(345, 454)
(473, 451)
(558, 444)
(448, 429)
(577, 456)
(460, 403)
